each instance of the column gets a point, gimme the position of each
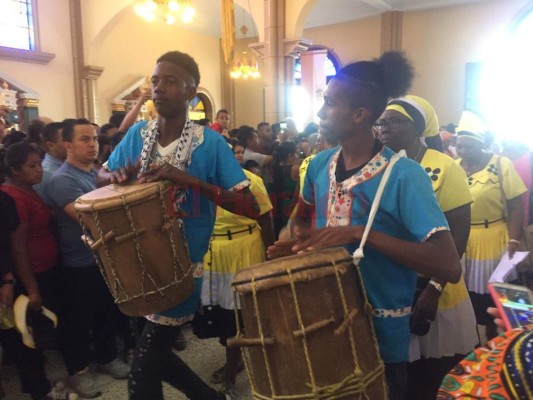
(314, 78)
(391, 31)
(90, 74)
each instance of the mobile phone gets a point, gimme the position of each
(283, 125)
(515, 304)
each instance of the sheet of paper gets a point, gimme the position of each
(506, 267)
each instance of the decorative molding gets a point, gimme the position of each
(23, 90)
(31, 56)
(293, 47)
(27, 102)
(116, 107)
(258, 49)
(381, 5)
(91, 72)
(137, 83)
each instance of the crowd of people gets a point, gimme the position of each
(452, 207)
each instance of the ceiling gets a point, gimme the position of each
(325, 12)
(349, 10)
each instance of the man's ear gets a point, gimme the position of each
(191, 92)
(360, 115)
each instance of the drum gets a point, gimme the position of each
(308, 329)
(138, 241)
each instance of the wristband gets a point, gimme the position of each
(516, 241)
(436, 285)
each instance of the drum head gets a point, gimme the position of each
(301, 267)
(115, 195)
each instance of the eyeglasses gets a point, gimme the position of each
(392, 123)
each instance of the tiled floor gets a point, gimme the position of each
(204, 356)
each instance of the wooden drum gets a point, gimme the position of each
(308, 329)
(138, 240)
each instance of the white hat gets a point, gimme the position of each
(42, 327)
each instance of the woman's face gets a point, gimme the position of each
(395, 130)
(31, 172)
(468, 149)
(239, 153)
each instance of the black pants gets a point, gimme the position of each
(155, 362)
(424, 376)
(89, 310)
(396, 375)
(30, 362)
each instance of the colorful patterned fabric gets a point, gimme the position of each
(502, 370)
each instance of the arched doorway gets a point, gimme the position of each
(307, 99)
(201, 106)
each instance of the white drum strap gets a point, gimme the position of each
(358, 253)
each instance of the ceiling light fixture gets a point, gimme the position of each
(167, 10)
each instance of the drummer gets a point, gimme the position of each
(339, 187)
(201, 165)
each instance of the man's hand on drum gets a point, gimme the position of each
(126, 174)
(329, 237)
(288, 236)
(167, 172)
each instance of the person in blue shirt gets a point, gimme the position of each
(409, 231)
(202, 166)
(56, 154)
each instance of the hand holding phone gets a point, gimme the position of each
(514, 303)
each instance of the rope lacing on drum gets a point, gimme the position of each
(116, 281)
(262, 336)
(138, 249)
(170, 232)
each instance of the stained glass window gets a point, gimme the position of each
(16, 24)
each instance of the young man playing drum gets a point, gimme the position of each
(201, 165)
(409, 234)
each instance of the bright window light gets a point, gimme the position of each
(16, 24)
(506, 85)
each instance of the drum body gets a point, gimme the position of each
(308, 330)
(138, 240)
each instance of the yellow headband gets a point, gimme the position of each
(419, 111)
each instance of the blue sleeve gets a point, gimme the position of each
(419, 210)
(128, 150)
(228, 171)
(63, 190)
(316, 167)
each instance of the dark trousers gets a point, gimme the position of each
(30, 362)
(155, 362)
(424, 376)
(90, 315)
(396, 375)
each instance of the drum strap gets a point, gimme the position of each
(359, 254)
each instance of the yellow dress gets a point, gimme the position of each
(236, 243)
(488, 233)
(454, 329)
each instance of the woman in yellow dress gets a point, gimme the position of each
(496, 224)
(443, 318)
(237, 242)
